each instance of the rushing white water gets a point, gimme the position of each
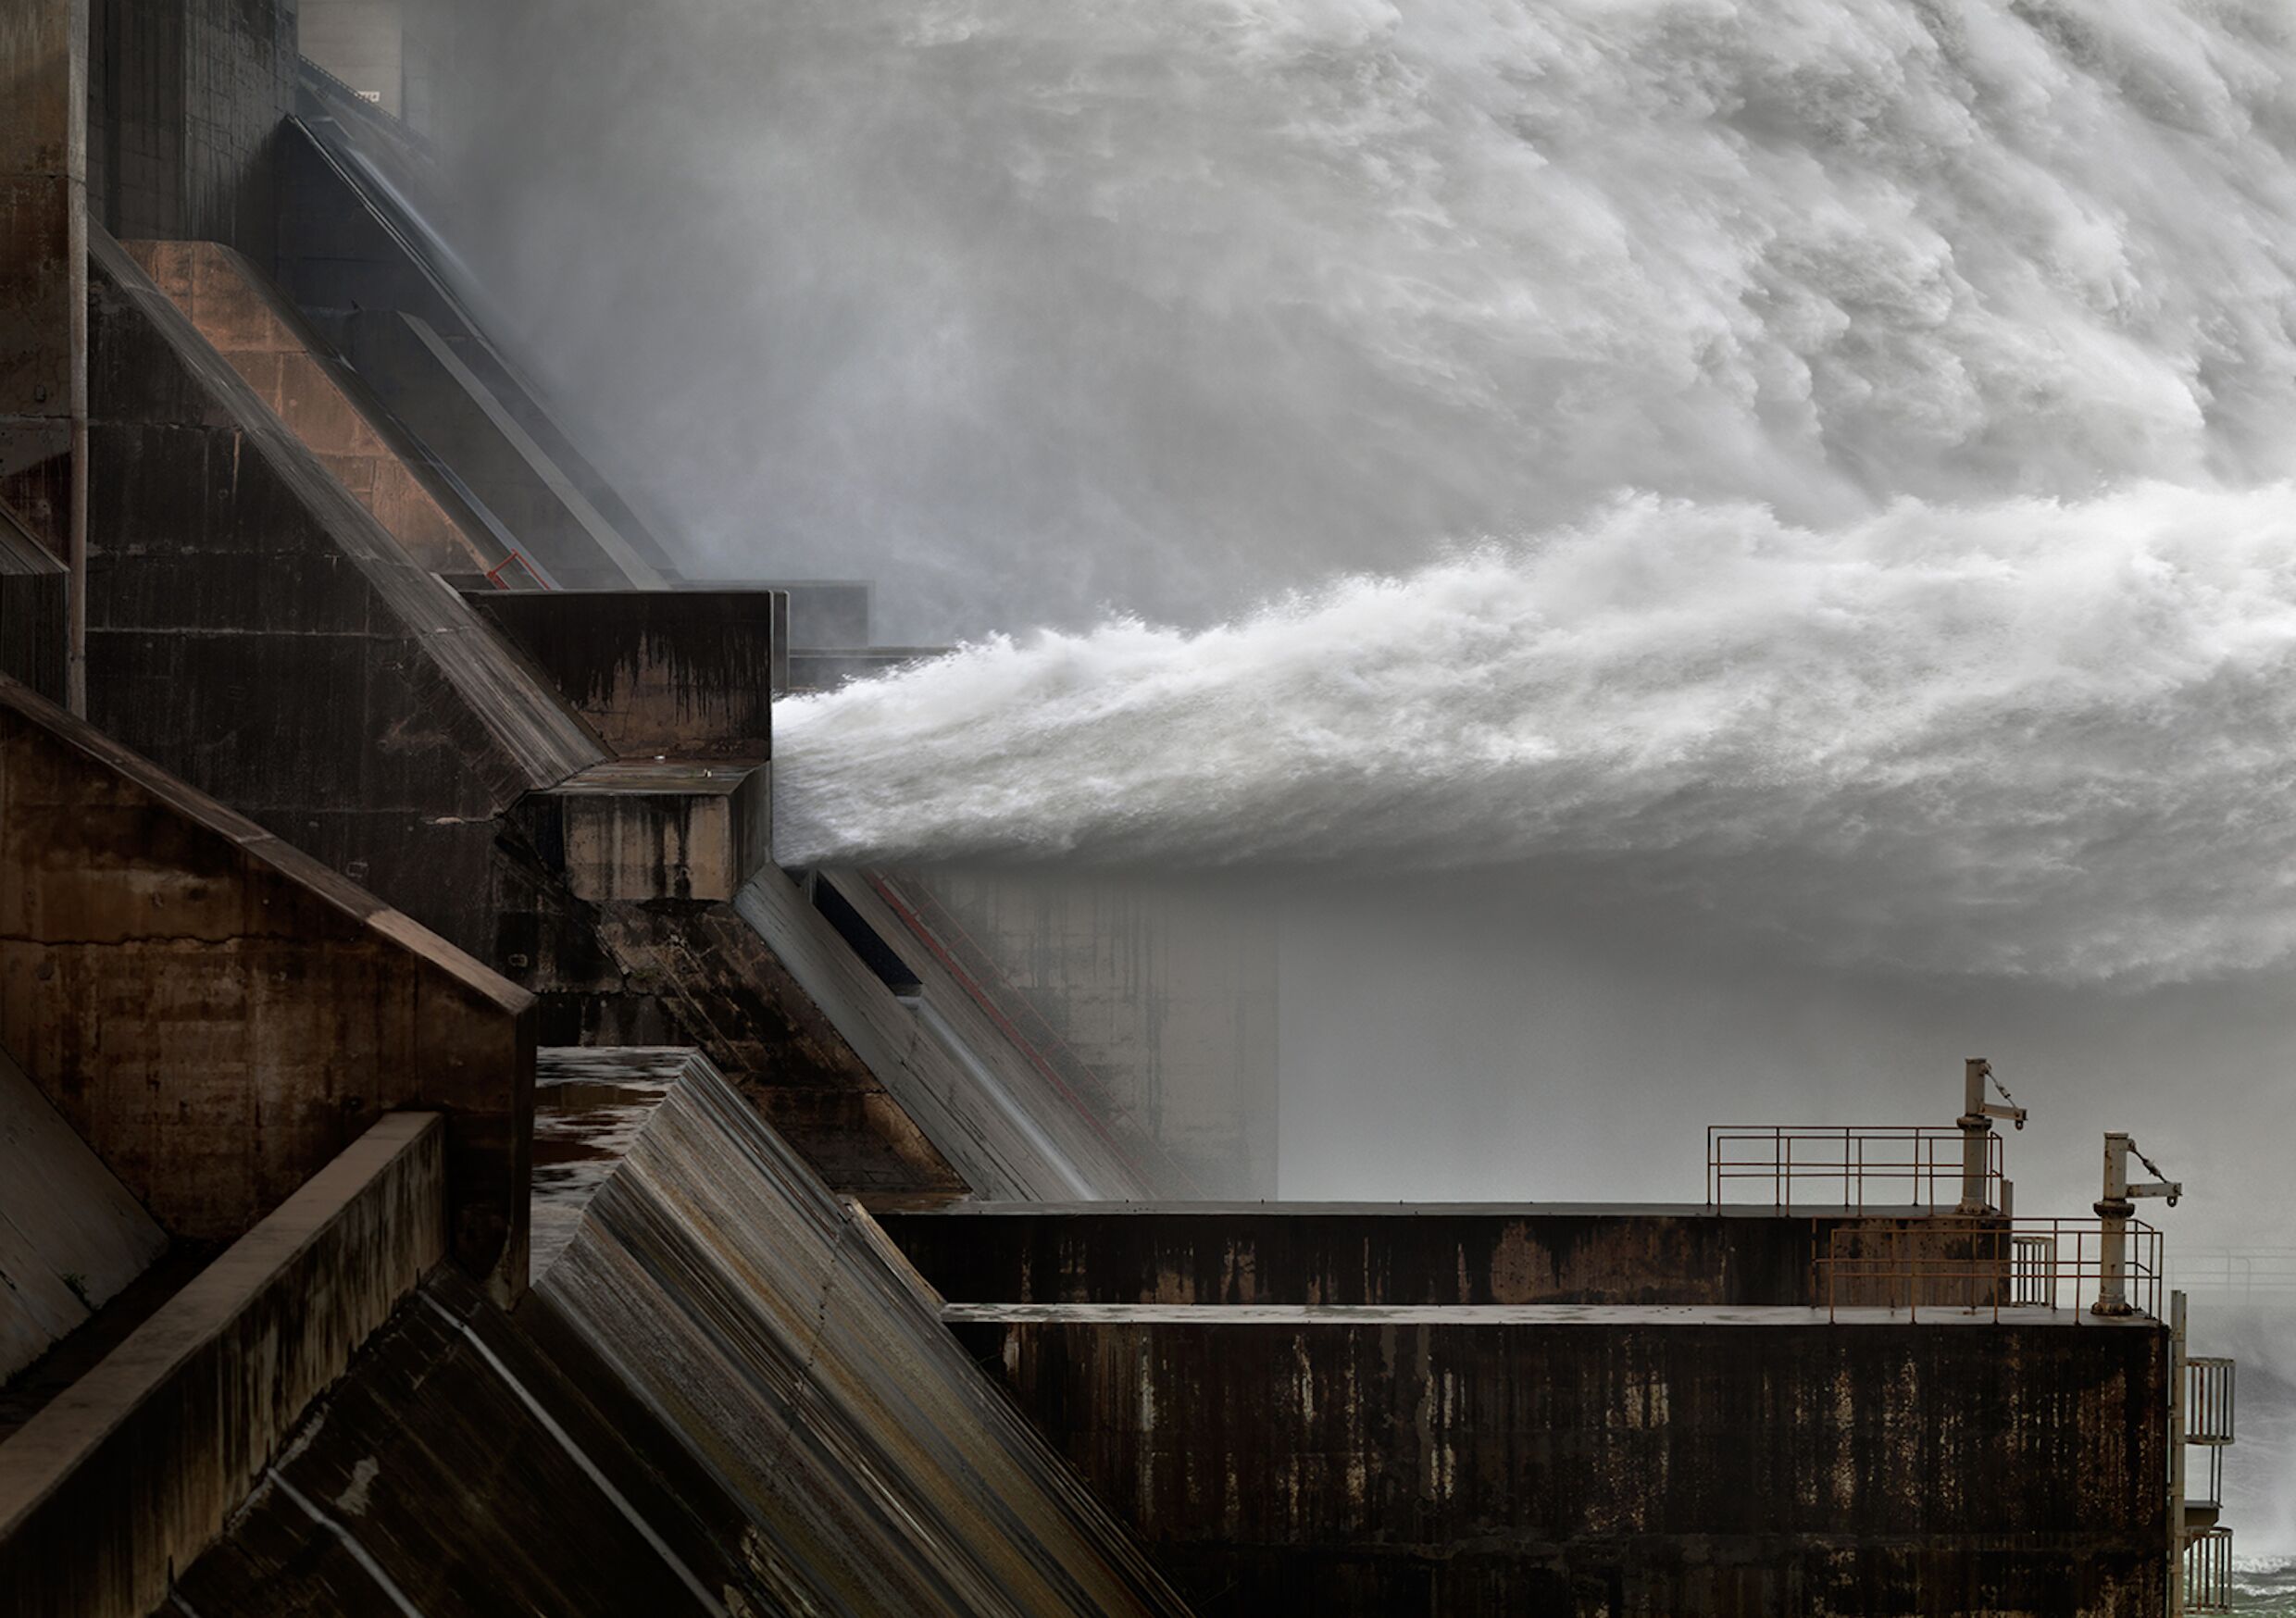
(2025, 736)
(1955, 340)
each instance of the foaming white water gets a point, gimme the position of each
(1028, 308)
(2027, 737)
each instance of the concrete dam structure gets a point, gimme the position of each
(449, 1167)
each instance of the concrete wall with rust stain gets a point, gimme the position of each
(783, 1337)
(1659, 1467)
(1389, 1253)
(686, 674)
(233, 307)
(184, 103)
(217, 1015)
(106, 1493)
(255, 631)
(666, 972)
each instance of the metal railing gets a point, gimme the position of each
(2208, 1572)
(1984, 1265)
(2032, 1268)
(2261, 1276)
(2208, 1388)
(1851, 1165)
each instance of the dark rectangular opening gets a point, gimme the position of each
(878, 955)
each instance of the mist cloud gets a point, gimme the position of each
(1035, 312)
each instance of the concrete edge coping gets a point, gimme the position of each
(1298, 1315)
(266, 848)
(664, 778)
(45, 1452)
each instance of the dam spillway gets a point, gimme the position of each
(453, 1162)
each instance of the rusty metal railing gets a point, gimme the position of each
(2208, 1571)
(1861, 1166)
(1951, 1264)
(495, 574)
(2208, 1387)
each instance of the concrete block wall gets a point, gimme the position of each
(719, 976)
(232, 306)
(1638, 1463)
(361, 43)
(111, 1489)
(184, 104)
(256, 630)
(218, 1016)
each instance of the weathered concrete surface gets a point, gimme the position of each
(1627, 1463)
(218, 1016)
(1161, 995)
(254, 629)
(129, 1475)
(358, 265)
(184, 104)
(684, 673)
(33, 600)
(639, 830)
(995, 1123)
(43, 378)
(805, 1365)
(460, 1471)
(663, 972)
(997, 1105)
(43, 177)
(1380, 1253)
(71, 1235)
(232, 306)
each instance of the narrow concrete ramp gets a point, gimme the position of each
(777, 1331)
(71, 1235)
(363, 252)
(1003, 1123)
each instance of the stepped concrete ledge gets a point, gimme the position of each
(126, 1476)
(217, 1014)
(648, 828)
